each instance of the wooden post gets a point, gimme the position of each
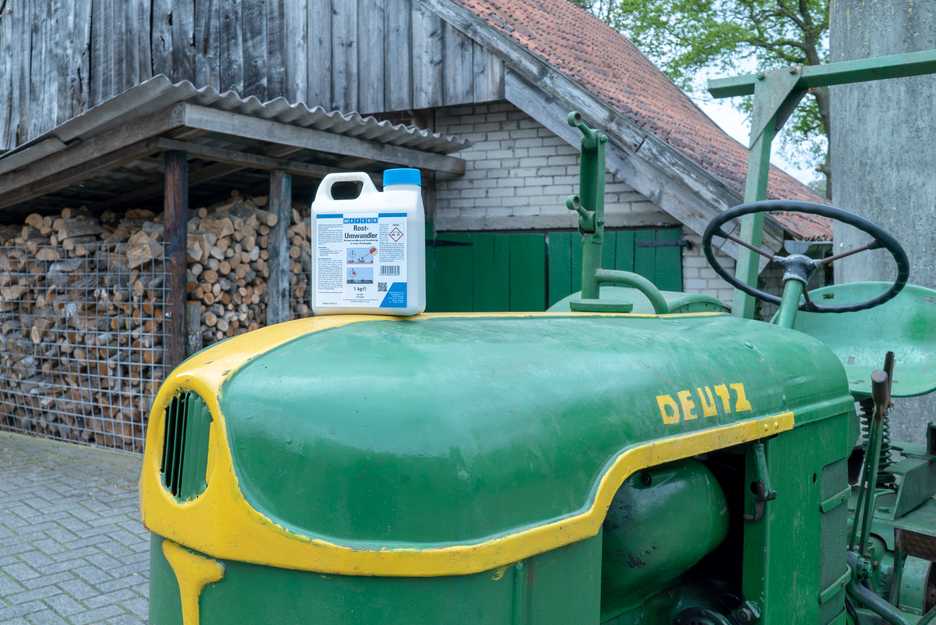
(176, 220)
(279, 261)
(195, 340)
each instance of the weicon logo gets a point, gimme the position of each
(360, 220)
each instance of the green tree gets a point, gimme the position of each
(687, 38)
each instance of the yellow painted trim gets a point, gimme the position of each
(223, 524)
(193, 572)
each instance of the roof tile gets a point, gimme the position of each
(595, 55)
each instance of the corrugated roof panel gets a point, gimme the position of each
(159, 93)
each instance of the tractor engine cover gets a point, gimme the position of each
(415, 469)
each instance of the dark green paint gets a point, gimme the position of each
(560, 265)
(645, 257)
(576, 262)
(528, 272)
(600, 306)
(783, 551)
(559, 587)
(450, 431)
(861, 70)
(185, 447)
(430, 267)
(165, 601)
(491, 281)
(624, 252)
(589, 203)
(513, 271)
(609, 250)
(454, 275)
(563, 248)
(647, 543)
(667, 273)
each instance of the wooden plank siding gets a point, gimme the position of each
(58, 58)
(494, 272)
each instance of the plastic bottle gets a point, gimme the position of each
(369, 253)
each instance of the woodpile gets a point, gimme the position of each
(80, 326)
(300, 256)
(82, 308)
(227, 271)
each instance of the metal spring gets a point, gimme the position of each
(885, 478)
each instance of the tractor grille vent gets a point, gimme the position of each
(185, 448)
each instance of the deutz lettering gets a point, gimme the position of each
(671, 409)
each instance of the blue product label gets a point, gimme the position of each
(395, 297)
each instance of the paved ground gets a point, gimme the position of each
(72, 549)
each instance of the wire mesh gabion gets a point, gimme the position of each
(82, 341)
(300, 263)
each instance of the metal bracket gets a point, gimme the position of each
(745, 613)
(775, 98)
(764, 494)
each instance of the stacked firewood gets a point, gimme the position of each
(81, 333)
(300, 259)
(227, 272)
(82, 301)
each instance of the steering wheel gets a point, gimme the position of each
(800, 267)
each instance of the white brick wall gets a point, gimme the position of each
(519, 174)
(698, 275)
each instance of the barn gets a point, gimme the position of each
(160, 156)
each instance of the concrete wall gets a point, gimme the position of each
(884, 155)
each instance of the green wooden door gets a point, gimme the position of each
(622, 250)
(488, 272)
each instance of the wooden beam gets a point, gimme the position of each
(106, 143)
(247, 159)
(86, 170)
(352, 163)
(278, 248)
(227, 122)
(205, 174)
(176, 221)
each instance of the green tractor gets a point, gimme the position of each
(630, 457)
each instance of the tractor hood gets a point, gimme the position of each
(458, 431)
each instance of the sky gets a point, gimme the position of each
(738, 126)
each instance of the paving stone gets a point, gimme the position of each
(31, 595)
(72, 548)
(78, 589)
(138, 605)
(125, 619)
(20, 571)
(46, 617)
(20, 610)
(8, 586)
(97, 615)
(65, 605)
(48, 577)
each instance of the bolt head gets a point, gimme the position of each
(760, 75)
(793, 69)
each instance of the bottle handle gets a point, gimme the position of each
(324, 190)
